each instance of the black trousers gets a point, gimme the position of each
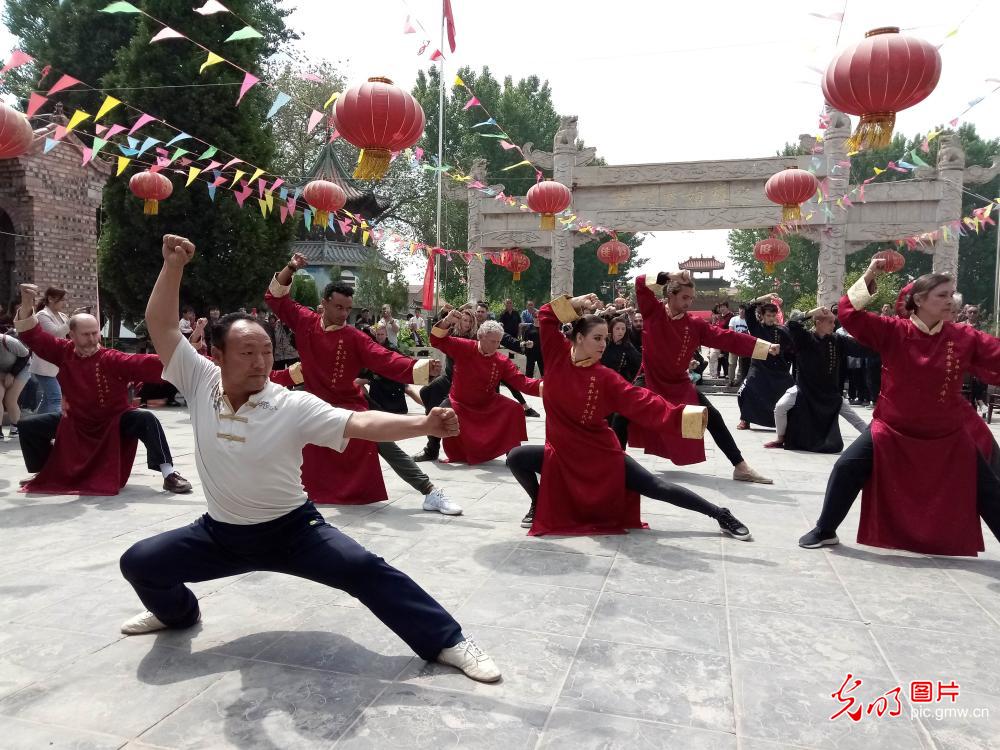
(300, 543)
(533, 356)
(854, 467)
(525, 463)
(38, 432)
(435, 392)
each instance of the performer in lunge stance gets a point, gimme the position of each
(96, 438)
(768, 378)
(807, 416)
(333, 355)
(670, 337)
(588, 484)
(925, 477)
(493, 423)
(249, 434)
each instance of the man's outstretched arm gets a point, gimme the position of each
(164, 301)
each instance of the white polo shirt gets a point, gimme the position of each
(249, 461)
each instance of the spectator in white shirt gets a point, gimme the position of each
(391, 325)
(52, 319)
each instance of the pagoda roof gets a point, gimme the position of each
(702, 264)
(343, 254)
(359, 201)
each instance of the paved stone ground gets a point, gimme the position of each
(669, 638)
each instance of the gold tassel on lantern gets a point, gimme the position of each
(612, 269)
(517, 275)
(791, 212)
(151, 207)
(322, 218)
(548, 221)
(372, 164)
(769, 268)
(873, 131)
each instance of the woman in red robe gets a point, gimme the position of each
(925, 477)
(588, 485)
(491, 424)
(670, 337)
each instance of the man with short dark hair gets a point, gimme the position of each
(768, 378)
(510, 319)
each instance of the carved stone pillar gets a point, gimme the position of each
(564, 157)
(833, 236)
(950, 167)
(476, 276)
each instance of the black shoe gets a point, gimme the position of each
(818, 538)
(528, 519)
(529, 412)
(426, 455)
(731, 525)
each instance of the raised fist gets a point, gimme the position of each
(177, 251)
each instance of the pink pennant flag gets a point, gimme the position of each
(114, 130)
(474, 101)
(311, 77)
(249, 80)
(260, 188)
(435, 55)
(63, 83)
(419, 153)
(166, 33)
(35, 101)
(408, 27)
(231, 162)
(953, 123)
(212, 165)
(99, 129)
(292, 204)
(17, 59)
(161, 151)
(88, 154)
(507, 145)
(219, 181)
(284, 213)
(334, 136)
(314, 119)
(476, 185)
(144, 119)
(279, 181)
(242, 195)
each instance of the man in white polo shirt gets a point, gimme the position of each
(249, 435)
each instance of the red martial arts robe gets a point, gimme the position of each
(922, 492)
(89, 457)
(490, 424)
(668, 345)
(331, 359)
(582, 489)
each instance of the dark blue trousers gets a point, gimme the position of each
(300, 543)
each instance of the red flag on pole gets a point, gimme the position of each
(449, 18)
(428, 300)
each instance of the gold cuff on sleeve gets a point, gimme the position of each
(276, 289)
(440, 332)
(693, 422)
(25, 324)
(422, 372)
(295, 373)
(859, 294)
(563, 309)
(761, 349)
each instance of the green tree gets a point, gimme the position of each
(376, 287)
(304, 290)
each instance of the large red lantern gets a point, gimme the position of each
(613, 252)
(893, 261)
(379, 118)
(876, 78)
(517, 263)
(326, 197)
(16, 134)
(549, 198)
(770, 252)
(790, 188)
(152, 187)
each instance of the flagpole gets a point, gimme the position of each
(440, 174)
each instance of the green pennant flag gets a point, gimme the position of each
(209, 152)
(492, 135)
(121, 7)
(177, 154)
(99, 143)
(917, 160)
(247, 32)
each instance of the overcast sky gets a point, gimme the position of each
(659, 82)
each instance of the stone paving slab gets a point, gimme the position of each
(670, 637)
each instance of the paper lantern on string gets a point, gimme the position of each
(517, 263)
(379, 118)
(326, 197)
(770, 252)
(893, 261)
(16, 134)
(152, 187)
(883, 74)
(549, 198)
(613, 252)
(790, 188)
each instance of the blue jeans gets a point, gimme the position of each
(51, 395)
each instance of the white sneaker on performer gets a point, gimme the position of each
(145, 622)
(435, 500)
(471, 659)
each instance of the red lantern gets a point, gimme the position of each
(152, 187)
(613, 252)
(876, 78)
(771, 251)
(790, 188)
(893, 261)
(16, 134)
(326, 197)
(549, 198)
(379, 118)
(517, 263)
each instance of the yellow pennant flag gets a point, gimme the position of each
(364, 238)
(480, 256)
(333, 97)
(878, 171)
(109, 104)
(78, 117)
(515, 166)
(257, 173)
(213, 59)
(459, 81)
(122, 163)
(269, 199)
(263, 206)
(239, 173)
(192, 173)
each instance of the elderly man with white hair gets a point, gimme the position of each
(492, 424)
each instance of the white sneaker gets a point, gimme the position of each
(435, 500)
(471, 659)
(145, 622)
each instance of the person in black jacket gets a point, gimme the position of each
(622, 357)
(768, 378)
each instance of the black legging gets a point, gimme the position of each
(854, 468)
(525, 463)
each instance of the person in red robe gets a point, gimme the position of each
(925, 479)
(588, 484)
(670, 337)
(332, 355)
(493, 423)
(97, 433)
